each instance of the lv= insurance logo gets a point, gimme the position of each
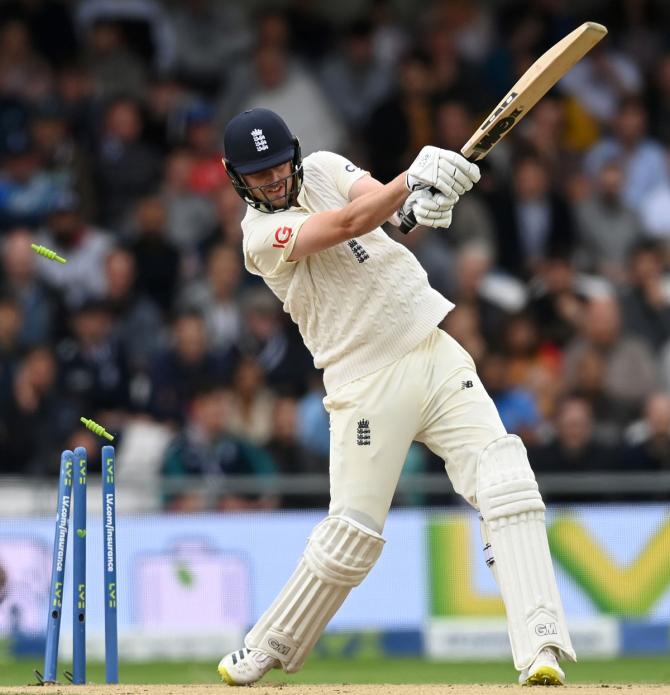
(631, 590)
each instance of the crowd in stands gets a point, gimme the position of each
(111, 121)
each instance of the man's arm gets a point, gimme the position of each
(448, 173)
(363, 214)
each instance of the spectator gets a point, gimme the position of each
(290, 457)
(185, 362)
(210, 38)
(556, 300)
(84, 246)
(313, 422)
(645, 302)
(517, 406)
(279, 84)
(115, 68)
(22, 72)
(19, 279)
(75, 90)
(354, 79)
(206, 448)
(145, 27)
(630, 370)
(138, 324)
(451, 75)
(166, 100)
(609, 415)
(156, 258)
(545, 135)
(574, 448)
(93, 366)
(601, 80)
(473, 266)
(201, 138)
(252, 403)
(37, 418)
(267, 336)
(532, 222)
(390, 39)
(60, 155)
(652, 451)
(27, 192)
(403, 123)
(607, 228)
(435, 256)
(189, 215)
(531, 364)
(216, 297)
(230, 209)
(311, 34)
(273, 29)
(125, 167)
(642, 158)
(463, 324)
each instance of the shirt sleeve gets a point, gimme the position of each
(269, 242)
(343, 172)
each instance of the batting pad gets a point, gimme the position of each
(339, 555)
(513, 512)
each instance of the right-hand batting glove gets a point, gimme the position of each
(428, 208)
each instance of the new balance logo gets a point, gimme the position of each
(363, 433)
(466, 384)
(259, 140)
(359, 252)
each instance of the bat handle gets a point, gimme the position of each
(408, 223)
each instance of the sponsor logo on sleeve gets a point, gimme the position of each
(282, 235)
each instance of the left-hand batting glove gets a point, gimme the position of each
(444, 170)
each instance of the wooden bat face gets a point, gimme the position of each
(540, 77)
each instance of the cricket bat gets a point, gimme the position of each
(540, 77)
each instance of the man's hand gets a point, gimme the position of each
(428, 208)
(434, 209)
(447, 171)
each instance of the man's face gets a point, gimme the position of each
(272, 185)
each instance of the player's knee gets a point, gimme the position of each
(342, 551)
(506, 484)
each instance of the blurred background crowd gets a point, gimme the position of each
(111, 120)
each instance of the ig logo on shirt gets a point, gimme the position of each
(282, 235)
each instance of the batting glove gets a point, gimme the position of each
(428, 208)
(445, 170)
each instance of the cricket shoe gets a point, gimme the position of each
(246, 666)
(543, 671)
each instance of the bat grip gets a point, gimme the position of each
(408, 223)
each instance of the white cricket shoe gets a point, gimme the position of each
(543, 671)
(246, 666)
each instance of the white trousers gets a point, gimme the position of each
(432, 395)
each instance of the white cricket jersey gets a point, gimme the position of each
(360, 305)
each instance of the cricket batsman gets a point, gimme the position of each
(370, 319)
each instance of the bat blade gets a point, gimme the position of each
(540, 77)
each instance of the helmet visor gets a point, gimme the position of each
(273, 196)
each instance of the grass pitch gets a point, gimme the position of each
(361, 671)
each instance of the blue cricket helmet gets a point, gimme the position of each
(256, 140)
